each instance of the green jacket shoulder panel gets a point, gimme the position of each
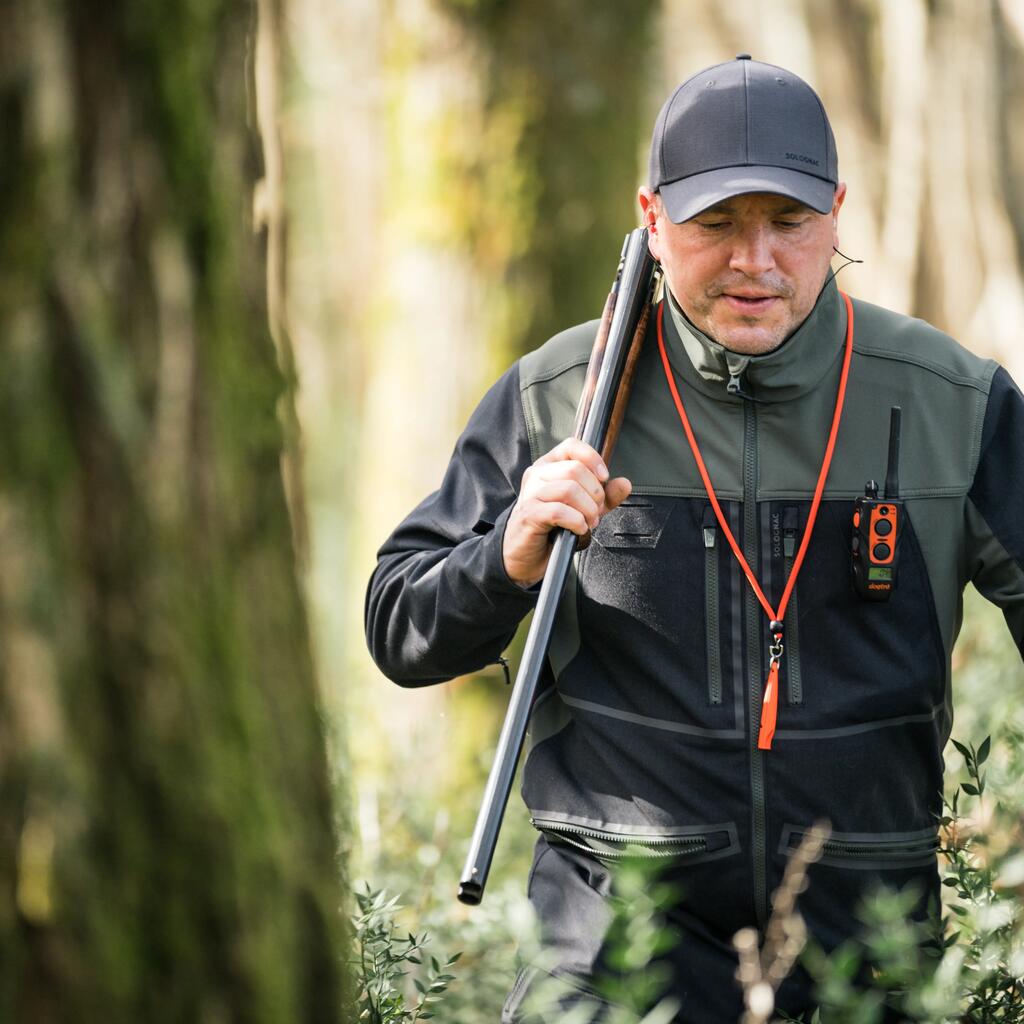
(942, 388)
(565, 350)
(550, 381)
(883, 334)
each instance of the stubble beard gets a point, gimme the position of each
(703, 317)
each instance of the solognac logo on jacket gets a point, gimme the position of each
(776, 536)
(803, 159)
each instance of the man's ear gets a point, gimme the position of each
(837, 202)
(649, 210)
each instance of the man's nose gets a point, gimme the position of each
(752, 253)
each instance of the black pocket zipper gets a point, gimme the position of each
(712, 627)
(610, 845)
(881, 850)
(790, 528)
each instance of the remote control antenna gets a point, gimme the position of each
(892, 473)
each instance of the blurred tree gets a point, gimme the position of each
(924, 97)
(458, 180)
(167, 851)
(570, 82)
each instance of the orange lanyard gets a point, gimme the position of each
(770, 703)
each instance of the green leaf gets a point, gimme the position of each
(963, 750)
(983, 750)
(969, 787)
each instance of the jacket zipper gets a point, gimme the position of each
(874, 849)
(663, 846)
(713, 629)
(870, 849)
(755, 676)
(790, 525)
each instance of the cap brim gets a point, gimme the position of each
(687, 197)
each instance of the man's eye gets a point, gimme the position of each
(788, 225)
(714, 225)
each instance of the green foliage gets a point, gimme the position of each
(628, 988)
(637, 936)
(972, 967)
(382, 961)
(389, 965)
(423, 798)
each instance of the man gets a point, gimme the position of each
(680, 716)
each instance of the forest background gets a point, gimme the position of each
(260, 260)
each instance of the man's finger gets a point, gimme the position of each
(573, 448)
(571, 470)
(617, 491)
(569, 492)
(546, 515)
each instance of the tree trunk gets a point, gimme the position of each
(166, 842)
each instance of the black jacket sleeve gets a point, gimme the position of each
(996, 499)
(440, 604)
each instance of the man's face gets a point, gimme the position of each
(748, 270)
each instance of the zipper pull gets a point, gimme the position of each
(708, 527)
(770, 703)
(789, 528)
(735, 386)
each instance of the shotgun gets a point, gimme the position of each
(599, 416)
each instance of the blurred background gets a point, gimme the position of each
(259, 262)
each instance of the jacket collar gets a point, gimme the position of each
(795, 367)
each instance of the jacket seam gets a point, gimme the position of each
(980, 412)
(542, 376)
(995, 536)
(532, 432)
(982, 385)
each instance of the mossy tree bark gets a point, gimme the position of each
(167, 851)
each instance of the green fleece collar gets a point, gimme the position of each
(795, 367)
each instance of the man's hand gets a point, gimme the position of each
(567, 487)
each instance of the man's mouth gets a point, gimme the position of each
(749, 304)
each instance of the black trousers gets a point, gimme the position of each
(569, 892)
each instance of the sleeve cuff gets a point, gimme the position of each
(494, 562)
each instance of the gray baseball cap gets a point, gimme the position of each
(741, 127)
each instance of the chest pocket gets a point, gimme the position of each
(634, 524)
(641, 608)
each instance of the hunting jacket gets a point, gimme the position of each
(646, 732)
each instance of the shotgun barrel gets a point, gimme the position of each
(601, 405)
